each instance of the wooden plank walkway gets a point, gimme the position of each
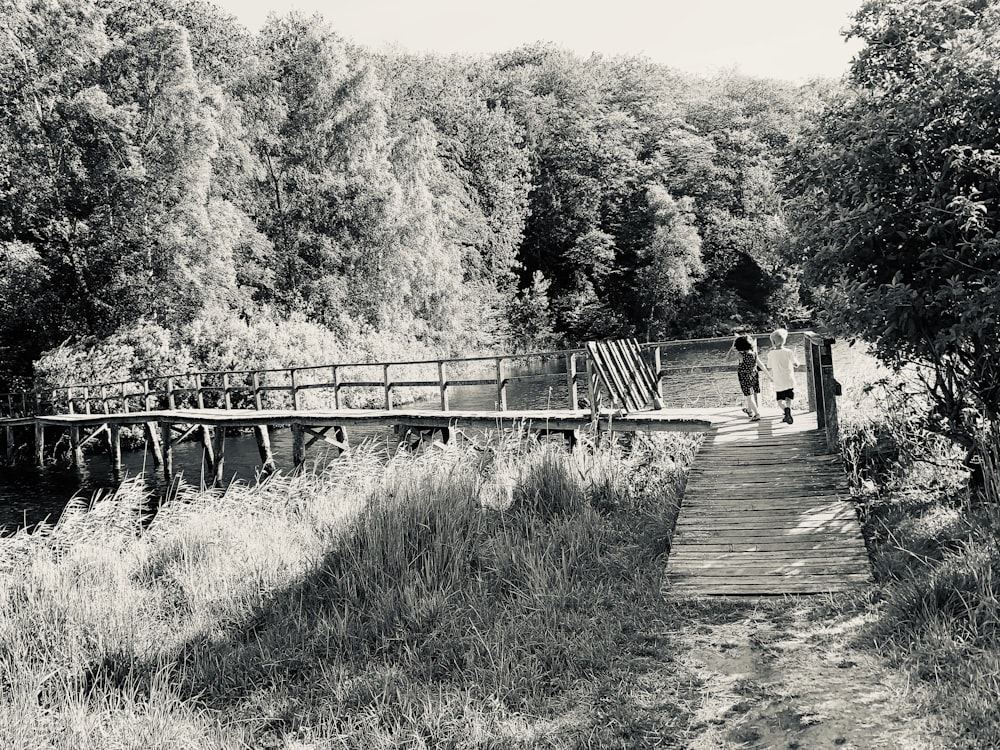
(766, 511)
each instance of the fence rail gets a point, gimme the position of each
(284, 388)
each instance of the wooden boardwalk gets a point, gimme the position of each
(766, 511)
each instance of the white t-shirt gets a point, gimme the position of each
(782, 363)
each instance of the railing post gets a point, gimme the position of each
(256, 391)
(443, 386)
(658, 369)
(69, 400)
(104, 399)
(829, 395)
(199, 395)
(387, 386)
(571, 381)
(811, 377)
(336, 387)
(125, 395)
(295, 389)
(171, 404)
(501, 386)
(227, 399)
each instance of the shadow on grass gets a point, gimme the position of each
(433, 620)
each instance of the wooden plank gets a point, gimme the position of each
(774, 515)
(737, 560)
(718, 546)
(649, 380)
(728, 537)
(609, 376)
(629, 374)
(782, 588)
(628, 369)
(775, 571)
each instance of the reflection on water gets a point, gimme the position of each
(29, 495)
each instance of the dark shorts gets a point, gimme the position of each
(782, 395)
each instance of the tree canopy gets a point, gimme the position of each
(898, 181)
(160, 164)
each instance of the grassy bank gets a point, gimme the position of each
(471, 597)
(935, 547)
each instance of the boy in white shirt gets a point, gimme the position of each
(782, 363)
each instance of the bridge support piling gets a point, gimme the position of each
(220, 455)
(263, 435)
(168, 451)
(153, 441)
(298, 445)
(39, 444)
(115, 441)
(76, 448)
(207, 451)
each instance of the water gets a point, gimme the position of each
(29, 495)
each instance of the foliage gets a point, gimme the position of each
(897, 182)
(159, 163)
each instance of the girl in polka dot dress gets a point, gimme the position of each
(747, 370)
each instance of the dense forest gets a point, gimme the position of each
(176, 191)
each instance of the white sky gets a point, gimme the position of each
(789, 39)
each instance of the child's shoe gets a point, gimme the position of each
(755, 418)
(787, 419)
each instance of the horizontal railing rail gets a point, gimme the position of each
(284, 387)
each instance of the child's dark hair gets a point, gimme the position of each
(742, 344)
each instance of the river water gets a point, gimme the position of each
(29, 495)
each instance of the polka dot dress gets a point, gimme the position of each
(746, 370)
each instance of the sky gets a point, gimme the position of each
(790, 39)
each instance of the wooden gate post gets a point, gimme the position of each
(810, 373)
(829, 395)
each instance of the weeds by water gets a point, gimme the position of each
(476, 596)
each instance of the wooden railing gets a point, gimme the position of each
(288, 387)
(823, 387)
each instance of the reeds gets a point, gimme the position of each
(462, 597)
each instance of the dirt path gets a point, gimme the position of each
(784, 674)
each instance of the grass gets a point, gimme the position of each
(501, 595)
(935, 547)
(479, 596)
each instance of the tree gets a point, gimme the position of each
(670, 264)
(899, 183)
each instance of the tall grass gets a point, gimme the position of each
(935, 547)
(479, 596)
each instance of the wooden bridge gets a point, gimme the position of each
(764, 510)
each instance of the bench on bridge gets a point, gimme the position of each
(620, 371)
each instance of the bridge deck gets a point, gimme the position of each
(766, 511)
(683, 420)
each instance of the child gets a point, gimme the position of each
(782, 363)
(747, 371)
